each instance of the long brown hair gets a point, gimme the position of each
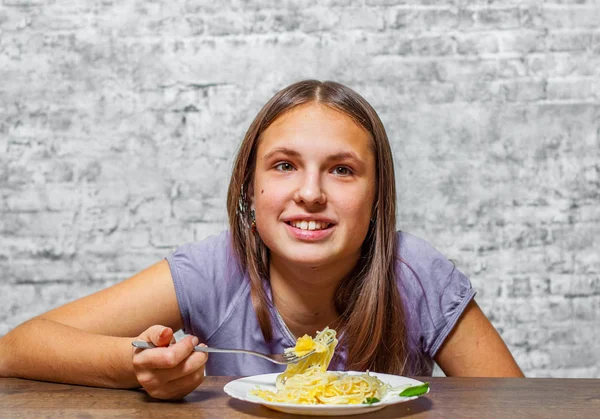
(372, 316)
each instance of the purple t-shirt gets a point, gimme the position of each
(214, 300)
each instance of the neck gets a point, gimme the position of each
(305, 296)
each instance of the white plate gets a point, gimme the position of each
(240, 388)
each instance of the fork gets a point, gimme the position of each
(283, 359)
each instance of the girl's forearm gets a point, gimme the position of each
(46, 350)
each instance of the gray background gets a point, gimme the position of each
(119, 120)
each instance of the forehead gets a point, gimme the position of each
(314, 125)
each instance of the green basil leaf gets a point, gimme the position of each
(371, 400)
(415, 390)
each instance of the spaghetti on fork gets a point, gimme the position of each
(309, 382)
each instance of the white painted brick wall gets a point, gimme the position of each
(119, 121)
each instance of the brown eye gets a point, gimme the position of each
(342, 171)
(284, 167)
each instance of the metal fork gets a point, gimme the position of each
(283, 359)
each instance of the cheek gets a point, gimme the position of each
(268, 199)
(357, 204)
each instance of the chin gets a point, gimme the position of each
(309, 259)
(312, 261)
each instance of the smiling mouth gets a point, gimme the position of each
(309, 225)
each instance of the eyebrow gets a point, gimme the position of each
(282, 150)
(344, 155)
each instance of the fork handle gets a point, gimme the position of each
(143, 344)
(222, 350)
(149, 345)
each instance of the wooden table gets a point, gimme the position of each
(449, 398)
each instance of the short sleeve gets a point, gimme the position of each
(206, 283)
(434, 291)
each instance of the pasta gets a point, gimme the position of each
(309, 382)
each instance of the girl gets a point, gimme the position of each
(312, 243)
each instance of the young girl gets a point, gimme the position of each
(312, 243)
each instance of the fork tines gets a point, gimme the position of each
(292, 356)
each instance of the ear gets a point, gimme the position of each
(250, 194)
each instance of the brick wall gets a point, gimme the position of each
(119, 119)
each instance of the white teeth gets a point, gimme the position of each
(309, 225)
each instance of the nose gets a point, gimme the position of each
(310, 190)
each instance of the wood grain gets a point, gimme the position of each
(449, 398)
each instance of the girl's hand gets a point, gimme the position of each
(168, 372)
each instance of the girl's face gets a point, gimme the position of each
(314, 186)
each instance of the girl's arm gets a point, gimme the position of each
(475, 349)
(88, 341)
